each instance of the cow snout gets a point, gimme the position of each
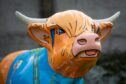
(88, 38)
(86, 45)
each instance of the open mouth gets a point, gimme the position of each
(89, 53)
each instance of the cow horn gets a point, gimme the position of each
(110, 19)
(27, 20)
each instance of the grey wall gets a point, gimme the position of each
(13, 33)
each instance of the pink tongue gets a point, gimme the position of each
(91, 52)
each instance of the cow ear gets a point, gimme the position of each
(40, 33)
(104, 30)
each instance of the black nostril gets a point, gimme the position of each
(97, 39)
(82, 41)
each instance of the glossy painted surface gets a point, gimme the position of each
(32, 67)
(5, 65)
(66, 27)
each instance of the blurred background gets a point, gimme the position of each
(111, 67)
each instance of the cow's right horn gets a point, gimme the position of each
(27, 20)
(110, 19)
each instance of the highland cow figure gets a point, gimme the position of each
(71, 43)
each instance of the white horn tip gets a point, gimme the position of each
(17, 13)
(27, 20)
(117, 14)
(21, 17)
(110, 19)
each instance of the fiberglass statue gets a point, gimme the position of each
(71, 43)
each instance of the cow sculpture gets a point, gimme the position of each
(71, 43)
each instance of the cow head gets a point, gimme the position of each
(72, 38)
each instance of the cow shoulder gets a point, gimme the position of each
(6, 63)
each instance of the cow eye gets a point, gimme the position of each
(60, 31)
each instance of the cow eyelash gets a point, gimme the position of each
(98, 30)
(93, 29)
(60, 31)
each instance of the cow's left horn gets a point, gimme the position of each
(28, 19)
(110, 19)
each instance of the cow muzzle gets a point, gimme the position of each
(87, 45)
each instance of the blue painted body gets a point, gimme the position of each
(32, 67)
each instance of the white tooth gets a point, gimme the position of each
(83, 55)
